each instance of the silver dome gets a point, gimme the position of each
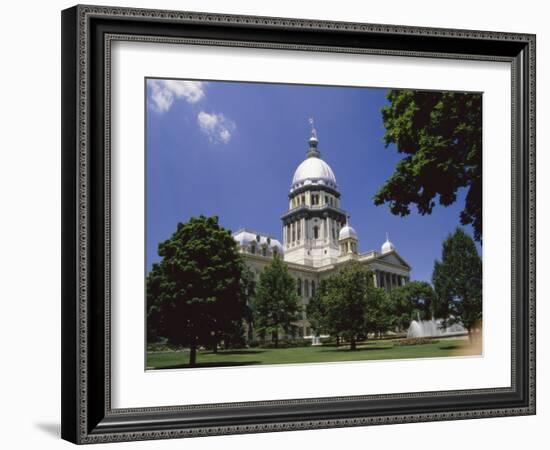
(313, 171)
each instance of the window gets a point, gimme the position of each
(299, 233)
(275, 252)
(326, 199)
(314, 199)
(306, 288)
(253, 248)
(312, 288)
(315, 232)
(299, 286)
(264, 251)
(303, 200)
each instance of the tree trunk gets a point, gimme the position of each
(352, 344)
(275, 338)
(193, 353)
(215, 345)
(337, 341)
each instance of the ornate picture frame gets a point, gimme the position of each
(88, 33)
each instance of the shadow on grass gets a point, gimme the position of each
(358, 349)
(235, 352)
(453, 347)
(206, 365)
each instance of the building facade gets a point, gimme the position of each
(317, 236)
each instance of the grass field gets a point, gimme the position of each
(255, 356)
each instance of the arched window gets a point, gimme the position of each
(299, 286)
(315, 232)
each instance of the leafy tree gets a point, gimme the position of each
(440, 134)
(411, 301)
(194, 294)
(349, 305)
(442, 292)
(275, 304)
(458, 280)
(318, 313)
(154, 284)
(248, 285)
(379, 316)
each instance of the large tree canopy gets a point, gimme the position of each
(348, 305)
(457, 280)
(195, 293)
(414, 300)
(275, 303)
(440, 134)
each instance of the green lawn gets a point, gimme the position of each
(255, 356)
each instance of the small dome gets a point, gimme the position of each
(313, 171)
(347, 232)
(246, 237)
(387, 246)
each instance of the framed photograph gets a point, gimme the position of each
(282, 224)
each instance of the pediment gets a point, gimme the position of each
(394, 258)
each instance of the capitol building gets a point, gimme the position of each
(317, 236)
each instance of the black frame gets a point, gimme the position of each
(87, 31)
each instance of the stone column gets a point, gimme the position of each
(286, 235)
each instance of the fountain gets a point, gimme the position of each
(433, 328)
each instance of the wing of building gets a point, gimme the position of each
(317, 238)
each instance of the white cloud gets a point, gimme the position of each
(164, 92)
(217, 127)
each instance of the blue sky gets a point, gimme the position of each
(230, 149)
